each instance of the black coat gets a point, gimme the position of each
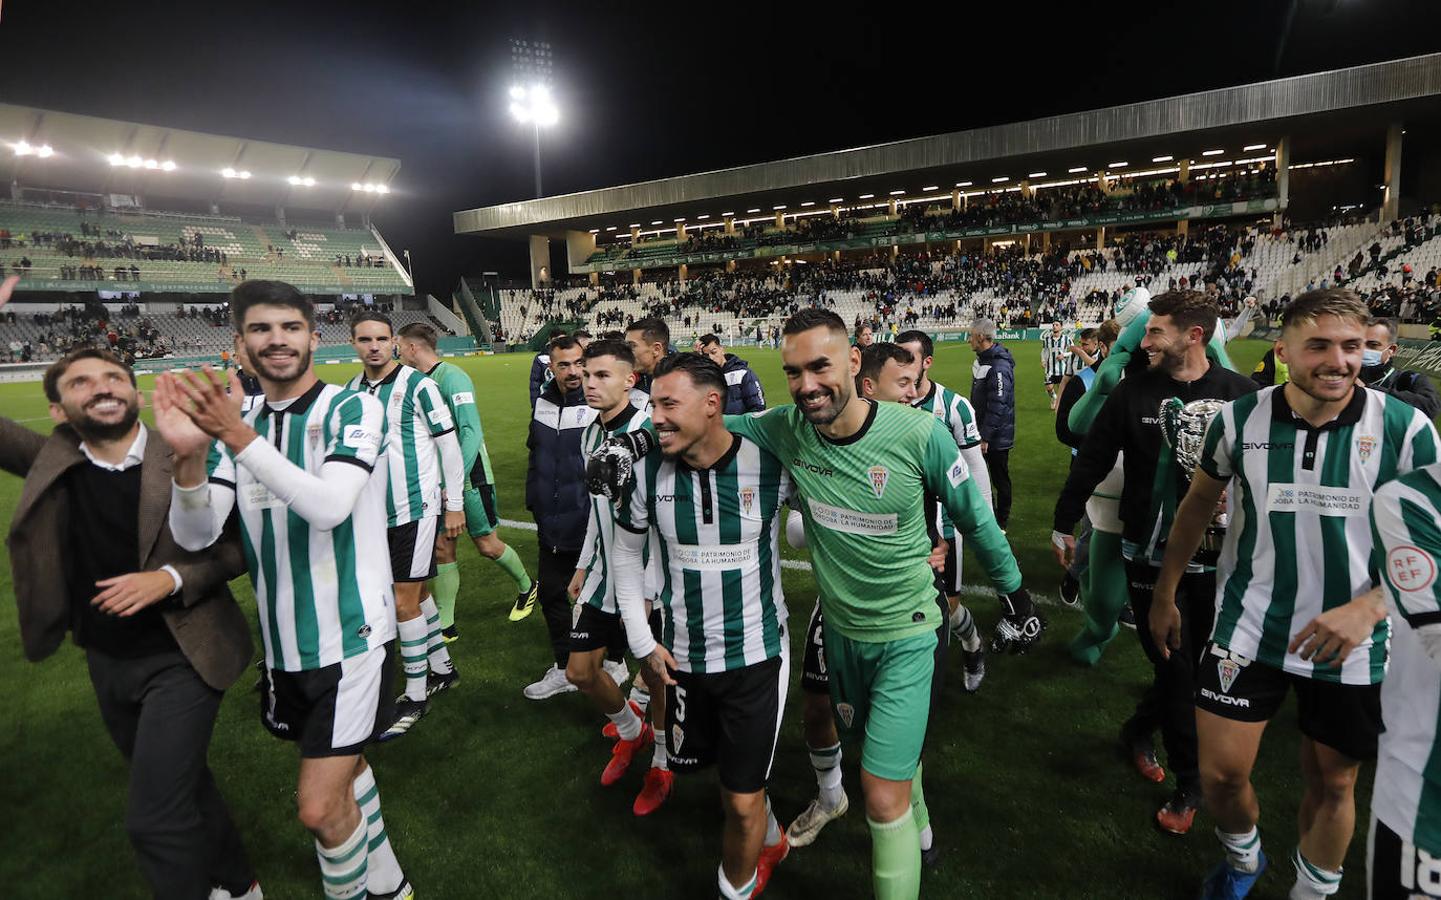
(555, 490)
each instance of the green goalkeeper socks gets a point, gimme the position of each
(919, 812)
(896, 858)
(510, 563)
(444, 587)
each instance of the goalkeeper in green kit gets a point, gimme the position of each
(863, 469)
(416, 344)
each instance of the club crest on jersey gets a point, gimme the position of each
(879, 475)
(748, 499)
(312, 433)
(1365, 444)
(847, 713)
(677, 737)
(1228, 669)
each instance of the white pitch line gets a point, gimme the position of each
(976, 591)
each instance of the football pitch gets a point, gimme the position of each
(493, 795)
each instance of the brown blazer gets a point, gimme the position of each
(203, 617)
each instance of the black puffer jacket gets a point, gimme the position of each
(993, 394)
(555, 477)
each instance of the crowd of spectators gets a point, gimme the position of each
(991, 210)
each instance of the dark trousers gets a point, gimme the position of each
(556, 567)
(998, 463)
(1169, 704)
(160, 714)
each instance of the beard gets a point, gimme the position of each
(262, 367)
(92, 430)
(837, 400)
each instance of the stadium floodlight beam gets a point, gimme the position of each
(534, 106)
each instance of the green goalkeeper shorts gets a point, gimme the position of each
(882, 691)
(480, 516)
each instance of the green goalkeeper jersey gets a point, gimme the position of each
(862, 499)
(459, 393)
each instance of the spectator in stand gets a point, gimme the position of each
(865, 335)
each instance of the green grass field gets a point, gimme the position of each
(496, 796)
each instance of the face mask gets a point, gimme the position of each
(1370, 358)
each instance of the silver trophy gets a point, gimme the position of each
(1183, 427)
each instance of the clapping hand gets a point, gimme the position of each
(211, 402)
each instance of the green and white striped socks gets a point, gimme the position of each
(1312, 881)
(413, 643)
(384, 875)
(827, 763)
(1243, 851)
(343, 869)
(729, 892)
(435, 641)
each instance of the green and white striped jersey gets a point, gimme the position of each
(1056, 353)
(415, 415)
(718, 531)
(598, 589)
(322, 596)
(1299, 542)
(959, 418)
(1406, 517)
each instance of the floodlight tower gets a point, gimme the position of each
(534, 106)
(531, 65)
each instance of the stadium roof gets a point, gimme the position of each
(81, 148)
(1327, 113)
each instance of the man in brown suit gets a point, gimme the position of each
(163, 636)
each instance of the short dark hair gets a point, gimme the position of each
(1089, 334)
(1310, 306)
(1392, 324)
(58, 367)
(260, 292)
(613, 335)
(421, 331)
(814, 317)
(562, 341)
(652, 330)
(370, 315)
(703, 371)
(865, 326)
(581, 333)
(1189, 309)
(555, 333)
(618, 349)
(875, 357)
(916, 336)
(707, 339)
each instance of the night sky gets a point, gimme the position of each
(645, 90)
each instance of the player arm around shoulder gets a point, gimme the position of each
(1187, 529)
(628, 565)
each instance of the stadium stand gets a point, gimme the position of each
(59, 248)
(996, 208)
(946, 290)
